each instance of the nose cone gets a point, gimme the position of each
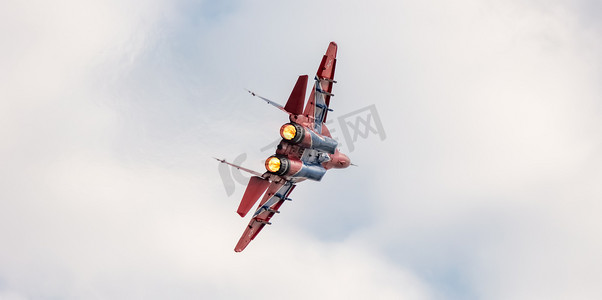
(343, 161)
(337, 160)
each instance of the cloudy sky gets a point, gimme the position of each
(487, 185)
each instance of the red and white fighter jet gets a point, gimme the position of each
(307, 150)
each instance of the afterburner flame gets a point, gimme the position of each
(288, 131)
(272, 164)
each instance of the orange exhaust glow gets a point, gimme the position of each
(272, 164)
(288, 132)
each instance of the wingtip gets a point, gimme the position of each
(332, 49)
(239, 247)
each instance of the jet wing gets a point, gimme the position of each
(319, 99)
(276, 194)
(325, 73)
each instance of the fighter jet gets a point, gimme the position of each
(307, 150)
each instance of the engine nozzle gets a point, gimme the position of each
(277, 165)
(292, 132)
(296, 134)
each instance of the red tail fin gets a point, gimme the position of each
(295, 102)
(255, 189)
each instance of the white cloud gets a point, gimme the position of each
(486, 186)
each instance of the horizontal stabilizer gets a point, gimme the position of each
(295, 102)
(255, 189)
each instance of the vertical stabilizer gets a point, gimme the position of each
(295, 102)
